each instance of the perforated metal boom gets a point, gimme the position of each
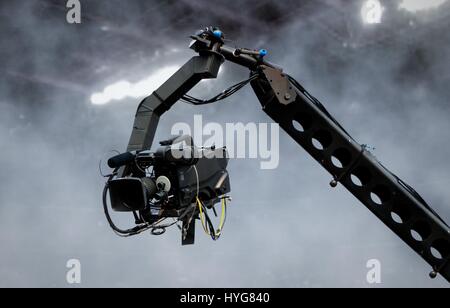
(395, 203)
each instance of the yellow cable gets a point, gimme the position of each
(202, 218)
(222, 218)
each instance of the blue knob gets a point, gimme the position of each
(263, 53)
(217, 34)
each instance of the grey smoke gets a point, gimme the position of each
(388, 85)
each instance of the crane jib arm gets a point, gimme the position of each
(307, 121)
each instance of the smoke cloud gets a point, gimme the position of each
(386, 83)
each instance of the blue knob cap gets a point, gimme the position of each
(263, 53)
(217, 34)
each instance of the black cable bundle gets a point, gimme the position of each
(221, 96)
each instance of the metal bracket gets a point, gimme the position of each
(282, 88)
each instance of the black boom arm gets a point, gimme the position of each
(305, 119)
(352, 165)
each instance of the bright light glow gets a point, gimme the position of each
(419, 5)
(123, 89)
(372, 12)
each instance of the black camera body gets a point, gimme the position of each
(179, 177)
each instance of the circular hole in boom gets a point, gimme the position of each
(360, 176)
(356, 181)
(400, 213)
(376, 199)
(336, 162)
(396, 218)
(436, 253)
(380, 194)
(298, 126)
(301, 122)
(322, 139)
(317, 144)
(440, 249)
(420, 231)
(416, 235)
(341, 158)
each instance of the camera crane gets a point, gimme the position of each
(186, 181)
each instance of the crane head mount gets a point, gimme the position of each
(182, 181)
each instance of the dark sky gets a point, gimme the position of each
(387, 84)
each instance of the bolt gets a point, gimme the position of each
(433, 274)
(333, 183)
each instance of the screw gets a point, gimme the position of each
(433, 274)
(333, 183)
